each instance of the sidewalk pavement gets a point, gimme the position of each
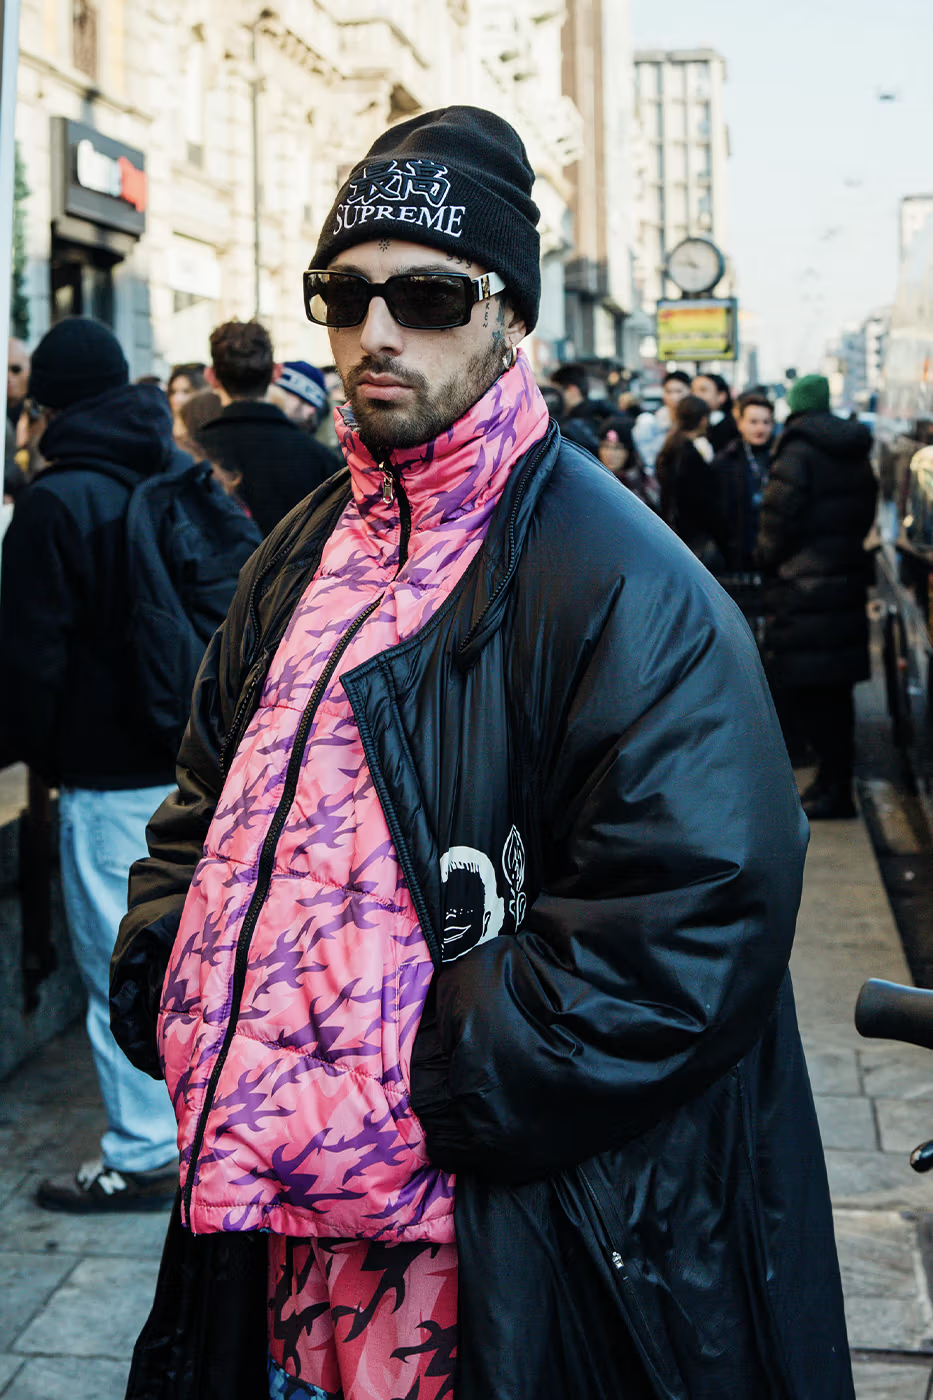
(74, 1293)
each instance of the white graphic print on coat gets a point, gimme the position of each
(513, 867)
(473, 909)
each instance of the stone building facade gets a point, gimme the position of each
(181, 155)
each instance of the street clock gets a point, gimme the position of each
(695, 266)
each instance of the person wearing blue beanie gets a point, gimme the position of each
(302, 394)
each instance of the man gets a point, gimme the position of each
(278, 465)
(303, 395)
(474, 669)
(17, 377)
(580, 420)
(17, 381)
(651, 429)
(741, 473)
(723, 428)
(818, 506)
(66, 710)
(300, 392)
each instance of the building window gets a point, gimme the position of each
(84, 37)
(700, 79)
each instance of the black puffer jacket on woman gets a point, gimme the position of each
(818, 507)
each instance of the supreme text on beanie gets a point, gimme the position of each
(457, 179)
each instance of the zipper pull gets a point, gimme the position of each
(617, 1259)
(388, 486)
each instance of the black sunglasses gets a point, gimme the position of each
(420, 301)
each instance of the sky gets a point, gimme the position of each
(818, 164)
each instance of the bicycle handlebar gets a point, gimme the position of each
(887, 1011)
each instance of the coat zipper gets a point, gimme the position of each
(649, 1353)
(269, 845)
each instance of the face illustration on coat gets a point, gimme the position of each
(474, 910)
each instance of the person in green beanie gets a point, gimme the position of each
(817, 508)
(810, 394)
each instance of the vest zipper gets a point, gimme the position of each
(393, 490)
(276, 827)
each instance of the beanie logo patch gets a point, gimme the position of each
(390, 180)
(383, 188)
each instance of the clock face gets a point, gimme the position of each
(695, 265)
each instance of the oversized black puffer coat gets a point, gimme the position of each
(617, 1078)
(817, 508)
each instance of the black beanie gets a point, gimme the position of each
(77, 359)
(456, 179)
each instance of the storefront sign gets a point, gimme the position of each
(101, 180)
(702, 329)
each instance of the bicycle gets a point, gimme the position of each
(889, 1011)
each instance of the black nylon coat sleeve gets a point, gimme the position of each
(652, 956)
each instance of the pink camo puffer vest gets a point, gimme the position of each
(308, 1129)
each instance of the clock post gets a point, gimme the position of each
(697, 326)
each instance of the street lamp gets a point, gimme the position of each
(255, 87)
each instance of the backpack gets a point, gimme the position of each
(186, 542)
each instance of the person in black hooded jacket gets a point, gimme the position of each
(276, 463)
(611, 1064)
(66, 708)
(817, 508)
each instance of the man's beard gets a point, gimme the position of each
(385, 426)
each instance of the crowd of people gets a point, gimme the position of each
(464, 852)
(780, 517)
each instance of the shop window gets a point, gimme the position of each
(84, 37)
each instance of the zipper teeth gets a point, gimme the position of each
(614, 1255)
(513, 517)
(263, 881)
(233, 734)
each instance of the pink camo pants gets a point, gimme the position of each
(363, 1320)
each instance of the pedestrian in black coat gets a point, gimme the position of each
(741, 472)
(723, 428)
(687, 482)
(818, 507)
(582, 416)
(277, 464)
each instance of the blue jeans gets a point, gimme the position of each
(101, 834)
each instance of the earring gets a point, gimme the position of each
(509, 358)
